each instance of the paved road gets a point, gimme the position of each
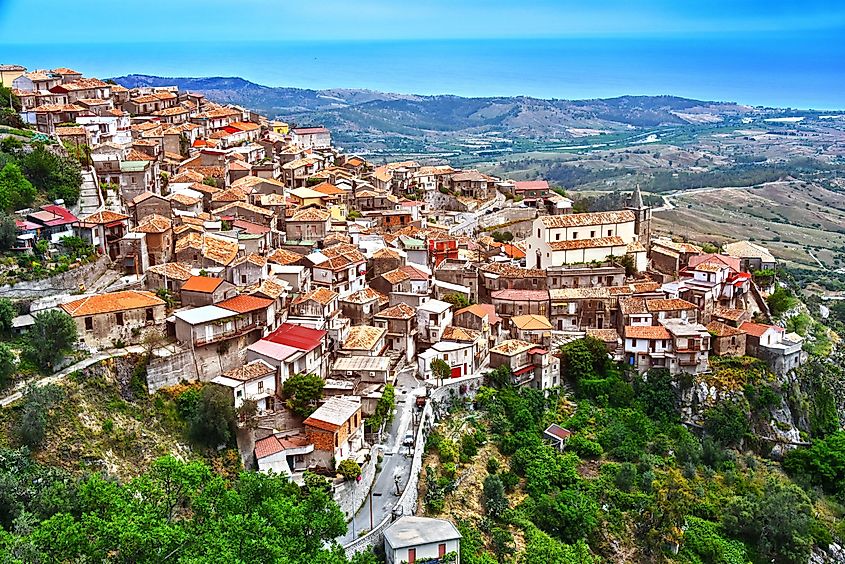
(396, 461)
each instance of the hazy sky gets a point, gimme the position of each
(106, 21)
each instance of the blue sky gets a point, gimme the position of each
(112, 21)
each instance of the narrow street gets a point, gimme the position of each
(89, 194)
(396, 460)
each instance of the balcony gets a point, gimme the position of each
(224, 335)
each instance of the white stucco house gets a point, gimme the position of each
(414, 539)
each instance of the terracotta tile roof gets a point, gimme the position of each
(136, 155)
(415, 273)
(104, 217)
(108, 303)
(284, 257)
(251, 371)
(678, 247)
(399, 311)
(460, 334)
(268, 287)
(521, 295)
(532, 322)
(243, 206)
(363, 296)
(268, 446)
(758, 329)
(649, 332)
(510, 271)
(189, 176)
(513, 251)
(363, 337)
(328, 189)
(606, 335)
(632, 306)
(251, 258)
(511, 347)
(396, 276)
(184, 199)
(385, 252)
(341, 256)
(332, 414)
(584, 219)
(154, 224)
(597, 293)
(173, 270)
(480, 310)
(719, 329)
(212, 248)
(71, 131)
(320, 295)
(645, 287)
(716, 259)
(245, 303)
(202, 284)
(669, 304)
(310, 214)
(587, 243)
(144, 196)
(729, 313)
(230, 194)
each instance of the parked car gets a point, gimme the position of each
(408, 440)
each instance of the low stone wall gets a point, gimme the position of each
(62, 283)
(170, 370)
(350, 496)
(407, 503)
(507, 215)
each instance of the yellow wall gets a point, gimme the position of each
(280, 127)
(338, 212)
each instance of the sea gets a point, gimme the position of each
(778, 70)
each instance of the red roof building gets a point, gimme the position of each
(297, 336)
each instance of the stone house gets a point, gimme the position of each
(530, 364)
(401, 324)
(103, 230)
(361, 306)
(365, 340)
(104, 319)
(308, 224)
(314, 308)
(146, 204)
(433, 316)
(336, 430)
(726, 340)
(158, 232)
(384, 260)
(254, 381)
(200, 291)
(248, 270)
(170, 276)
(510, 303)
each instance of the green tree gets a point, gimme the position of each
(37, 403)
(51, 336)
(495, 501)
(8, 365)
(822, 464)
(384, 411)
(500, 377)
(727, 423)
(302, 392)
(570, 515)
(8, 232)
(657, 395)
(16, 191)
(440, 369)
(781, 300)
(584, 358)
(776, 520)
(213, 422)
(58, 176)
(540, 548)
(459, 301)
(8, 311)
(9, 98)
(349, 469)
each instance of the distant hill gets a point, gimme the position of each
(362, 117)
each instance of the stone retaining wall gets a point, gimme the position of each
(62, 283)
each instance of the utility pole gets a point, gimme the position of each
(371, 509)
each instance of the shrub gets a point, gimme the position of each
(34, 416)
(495, 501)
(349, 469)
(584, 447)
(213, 422)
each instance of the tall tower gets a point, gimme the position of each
(642, 217)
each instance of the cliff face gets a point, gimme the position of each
(774, 420)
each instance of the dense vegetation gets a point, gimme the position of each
(634, 483)
(176, 511)
(34, 171)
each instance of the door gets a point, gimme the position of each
(412, 555)
(441, 550)
(456, 372)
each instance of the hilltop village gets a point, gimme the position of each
(247, 253)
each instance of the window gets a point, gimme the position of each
(260, 387)
(118, 318)
(574, 234)
(538, 233)
(243, 278)
(609, 232)
(557, 236)
(592, 234)
(633, 342)
(89, 323)
(733, 340)
(149, 314)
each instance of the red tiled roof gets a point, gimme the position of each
(757, 329)
(203, 284)
(296, 336)
(521, 295)
(245, 304)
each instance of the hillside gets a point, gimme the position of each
(365, 111)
